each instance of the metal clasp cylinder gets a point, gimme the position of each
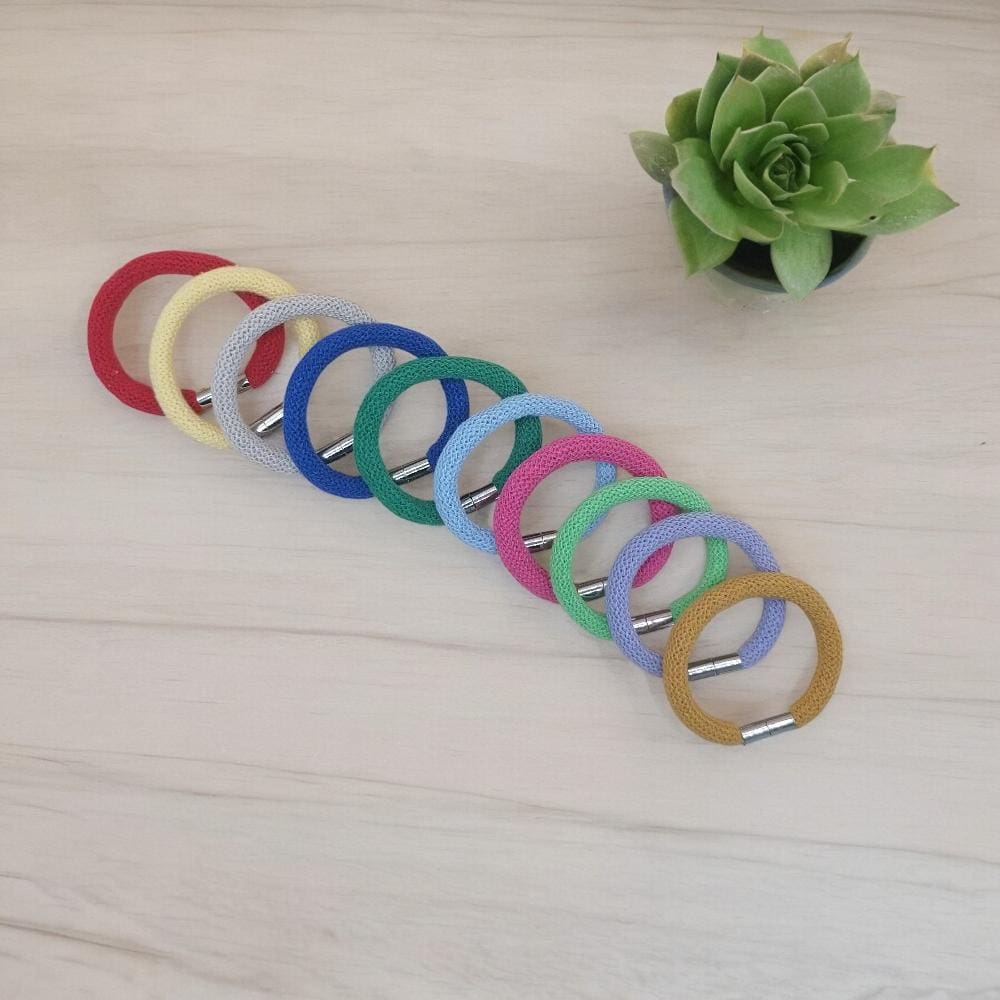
(714, 666)
(269, 422)
(767, 727)
(204, 396)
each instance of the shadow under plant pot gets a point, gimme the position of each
(750, 264)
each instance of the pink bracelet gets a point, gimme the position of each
(523, 480)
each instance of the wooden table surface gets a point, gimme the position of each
(259, 742)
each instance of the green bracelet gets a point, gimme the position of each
(368, 422)
(598, 504)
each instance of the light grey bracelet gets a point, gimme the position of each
(230, 365)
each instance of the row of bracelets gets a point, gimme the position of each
(676, 511)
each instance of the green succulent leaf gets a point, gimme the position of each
(784, 171)
(806, 189)
(801, 107)
(741, 106)
(814, 136)
(829, 55)
(857, 206)
(682, 113)
(776, 82)
(747, 145)
(701, 248)
(746, 187)
(855, 137)
(772, 50)
(831, 177)
(694, 149)
(882, 102)
(925, 202)
(656, 154)
(893, 171)
(706, 193)
(801, 258)
(722, 72)
(843, 88)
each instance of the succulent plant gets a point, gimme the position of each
(782, 154)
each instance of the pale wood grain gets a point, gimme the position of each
(257, 743)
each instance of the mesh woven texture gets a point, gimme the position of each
(111, 297)
(563, 451)
(309, 369)
(477, 429)
(182, 302)
(829, 650)
(527, 430)
(227, 368)
(638, 550)
(576, 525)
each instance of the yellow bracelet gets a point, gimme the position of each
(829, 655)
(181, 304)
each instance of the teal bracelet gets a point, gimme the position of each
(368, 422)
(597, 505)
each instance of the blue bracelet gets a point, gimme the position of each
(315, 362)
(476, 429)
(701, 524)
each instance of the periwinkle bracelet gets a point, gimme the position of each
(368, 455)
(161, 348)
(475, 430)
(111, 297)
(516, 556)
(246, 333)
(638, 551)
(303, 381)
(778, 586)
(575, 527)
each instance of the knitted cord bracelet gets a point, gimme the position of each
(111, 297)
(829, 654)
(309, 369)
(477, 429)
(367, 454)
(576, 525)
(638, 551)
(247, 332)
(161, 349)
(563, 451)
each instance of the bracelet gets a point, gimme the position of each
(161, 349)
(367, 454)
(829, 655)
(110, 298)
(478, 428)
(575, 526)
(515, 555)
(247, 332)
(303, 381)
(624, 574)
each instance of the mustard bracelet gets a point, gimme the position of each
(829, 654)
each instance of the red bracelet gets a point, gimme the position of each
(111, 297)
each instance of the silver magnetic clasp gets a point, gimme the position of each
(204, 396)
(767, 727)
(714, 666)
(478, 499)
(539, 541)
(269, 422)
(341, 448)
(652, 621)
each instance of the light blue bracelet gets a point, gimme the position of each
(474, 431)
